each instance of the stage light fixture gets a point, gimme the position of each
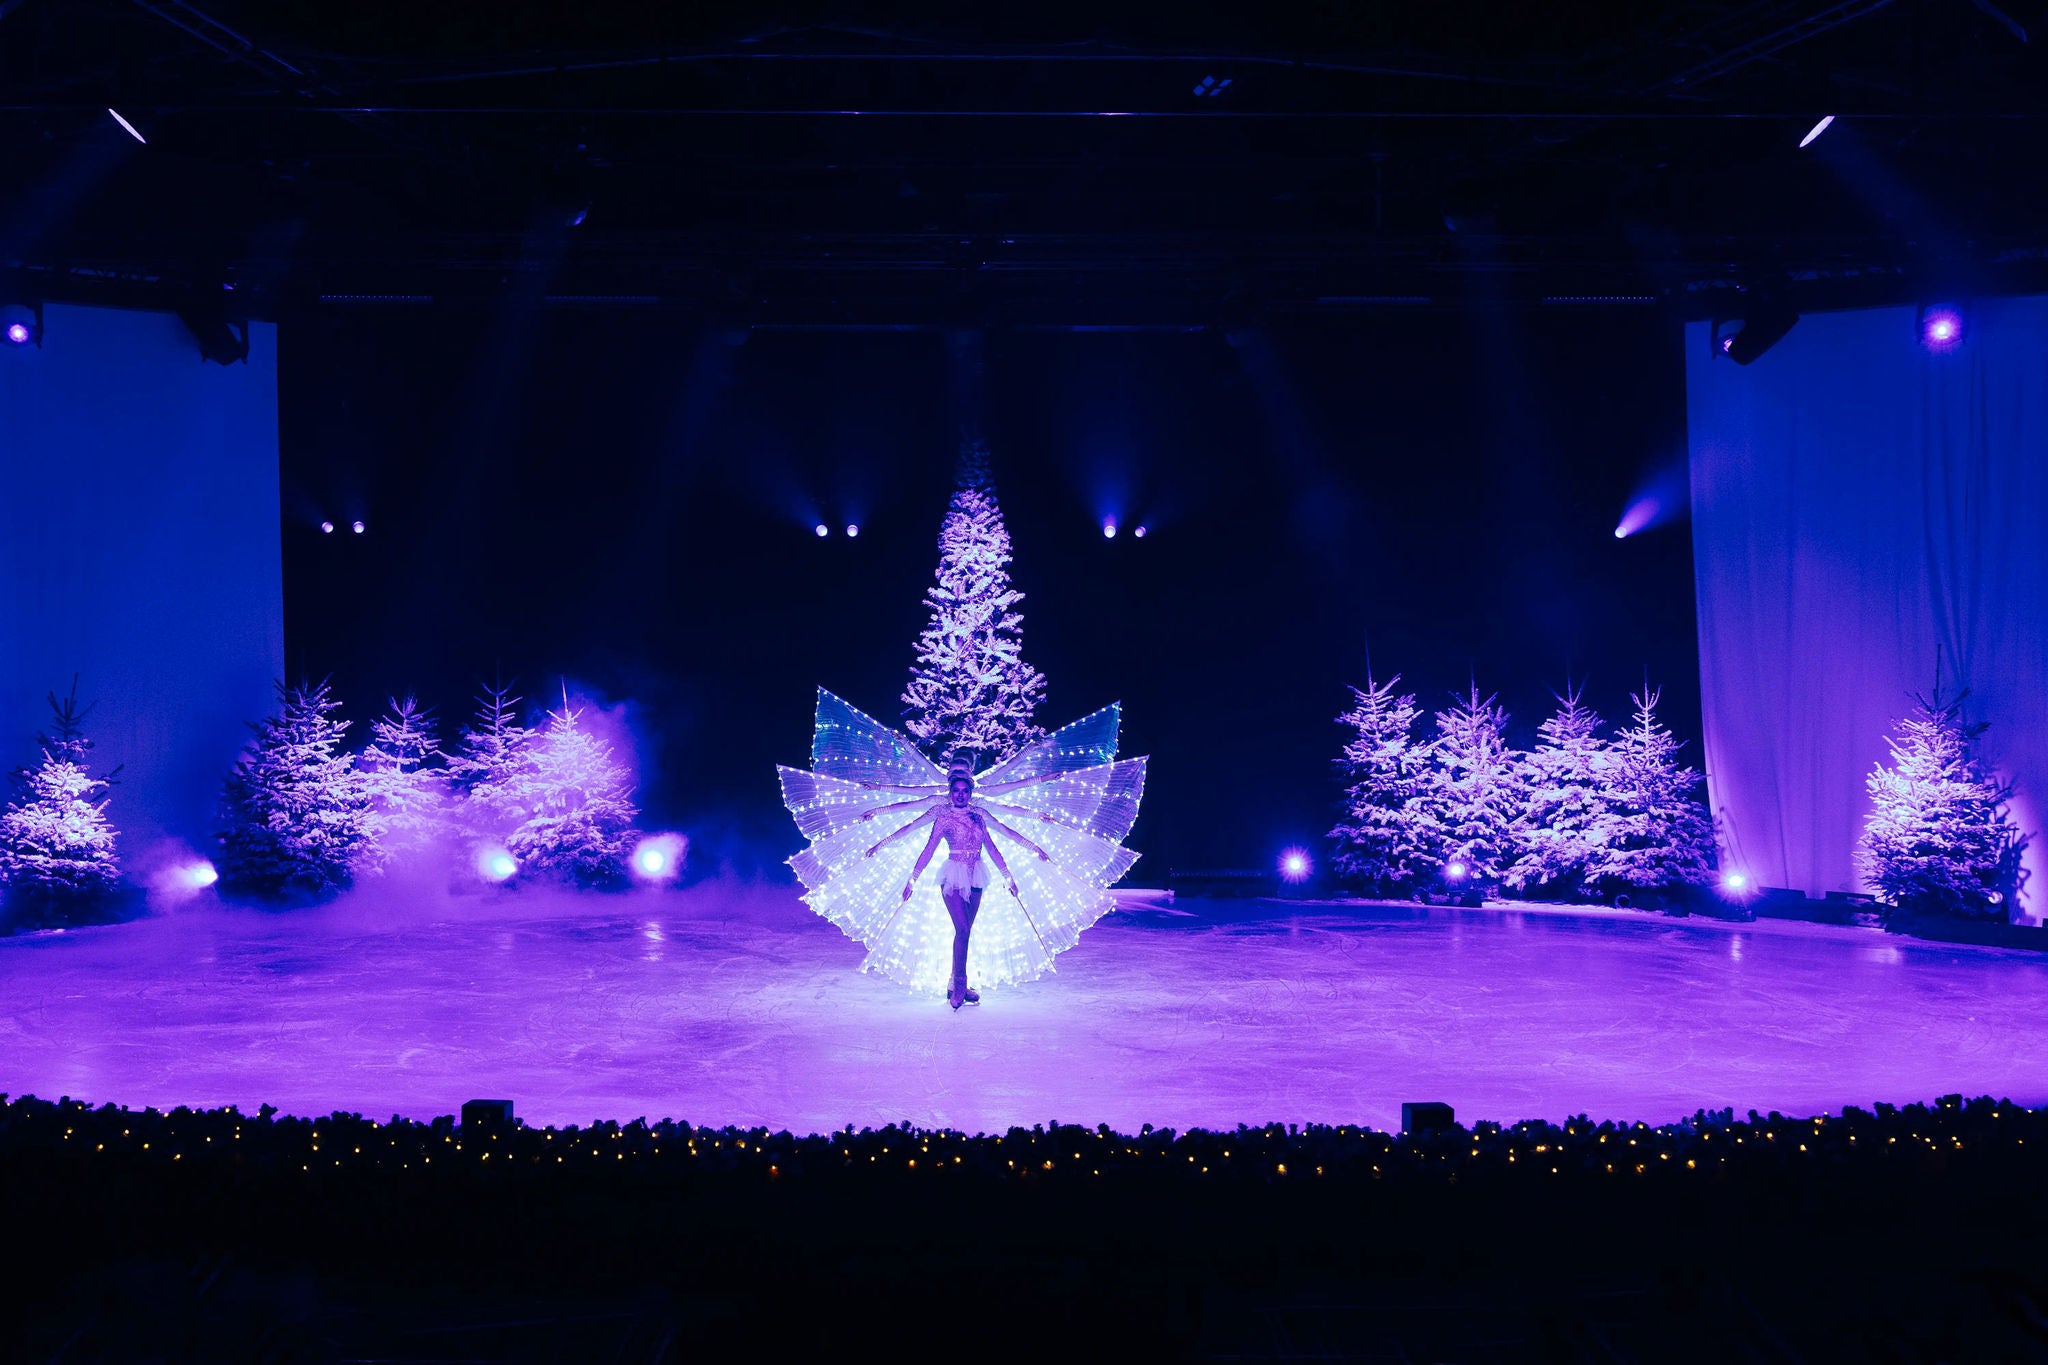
(1735, 881)
(1762, 327)
(326, 528)
(1139, 532)
(221, 340)
(22, 324)
(659, 857)
(128, 127)
(822, 529)
(1816, 130)
(1109, 528)
(199, 875)
(1456, 872)
(356, 526)
(852, 529)
(496, 865)
(1940, 326)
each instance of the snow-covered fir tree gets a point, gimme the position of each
(1384, 839)
(494, 755)
(971, 695)
(578, 804)
(57, 855)
(1475, 789)
(295, 817)
(1565, 826)
(1661, 833)
(1940, 837)
(408, 796)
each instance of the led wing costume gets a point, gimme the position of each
(1067, 793)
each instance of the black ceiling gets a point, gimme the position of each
(1062, 166)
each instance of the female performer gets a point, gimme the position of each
(965, 828)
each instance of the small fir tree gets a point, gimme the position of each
(1940, 837)
(971, 695)
(492, 760)
(57, 855)
(296, 820)
(1565, 827)
(1384, 838)
(408, 797)
(1475, 788)
(1661, 833)
(578, 800)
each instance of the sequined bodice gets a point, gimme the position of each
(962, 830)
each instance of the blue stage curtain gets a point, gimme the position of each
(1860, 502)
(140, 549)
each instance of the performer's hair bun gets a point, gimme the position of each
(960, 773)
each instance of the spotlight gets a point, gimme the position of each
(1816, 130)
(1621, 533)
(199, 875)
(22, 324)
(1456, 872)
(356, 526)
(1295, 865)
(822, 529)
(1139, 532)
(326, 528)
(1941, 327)
(129, 127)
(1763, 327)
(852, 529)
(496, 865)
(1735, 881)
(1109, 528)
(659, 857)
(1640, 515)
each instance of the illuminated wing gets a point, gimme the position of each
(855, 747)
(1102, 800)
(1086, 743)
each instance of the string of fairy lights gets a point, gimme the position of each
(1708, 1145)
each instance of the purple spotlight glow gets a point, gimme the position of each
(18, 333)
(496, 865)
(1641, 514)
(1296, 865)
(1109, 528)
(1941, 329)
(1735, 884)
(822, 529)
(356, 526)
(326, 528)
(1456, 872)
(852, 529)
(659, 857)
(199, 875)
(1139, 532)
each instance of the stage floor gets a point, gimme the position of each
(722, 1006)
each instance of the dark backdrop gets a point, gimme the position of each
(627, 499)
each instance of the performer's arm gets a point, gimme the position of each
(988, 841)
(923, 859)
(1042, 854)
(924, 819)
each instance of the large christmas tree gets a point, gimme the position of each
(295, 817)
(1475, 789)
(578, 800)
(1661, 833)
(495, 755)
(408, 796)
(57, 857)
(971, 695)
(1940, 838)
(1565, 826)
(1385, 836)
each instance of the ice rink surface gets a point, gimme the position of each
(724, 1005)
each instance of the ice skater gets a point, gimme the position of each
(869, 790)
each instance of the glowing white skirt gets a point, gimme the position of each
(1076, 801)
(960, 876)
